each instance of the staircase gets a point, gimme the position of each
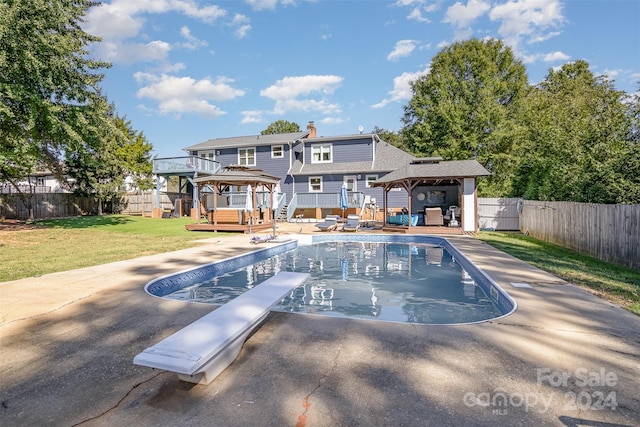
(283, 215)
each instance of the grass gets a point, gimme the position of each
(77, 242)
(613, 283)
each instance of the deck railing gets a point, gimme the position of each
(355, 199)
(185, 165)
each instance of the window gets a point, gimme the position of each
(247, 156)
(351, 183)
(370, 179)
(321, 153)
(277, 152)
(315, 184)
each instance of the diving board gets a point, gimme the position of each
(200, 351)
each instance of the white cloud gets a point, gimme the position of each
(556, 56)
(332, 121)
(402, 48)
(528, 18)
(242, 24)
(262, 4)
(292, 87)
(461, 16)
(304, 93)
(251, 117)
(416, 15)
(192, 42)
(179, 95)
(120, 20)
(401, 88)
(128, 53)
(612, 74)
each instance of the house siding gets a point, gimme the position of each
(355, 150)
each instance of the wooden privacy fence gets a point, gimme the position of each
(607, 232)
(143, 203)
(46, 205)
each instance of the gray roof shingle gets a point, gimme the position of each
(248, 141)
(437, 169)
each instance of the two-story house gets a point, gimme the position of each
(313, 169)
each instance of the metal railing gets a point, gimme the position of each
(323, 200)
(186, 164)
(238, 199)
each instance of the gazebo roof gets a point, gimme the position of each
(433, 168)
(238, 175)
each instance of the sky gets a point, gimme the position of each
(185, 71)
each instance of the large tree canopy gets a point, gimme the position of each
(281, 126)
(50, 100)
(467, 94)
(576, 144)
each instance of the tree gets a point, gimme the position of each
(50, 99)
(102, 173)
(281, 126)
(389, 136)
(457, 108)
(576, 144)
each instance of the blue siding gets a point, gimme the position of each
(355, 150)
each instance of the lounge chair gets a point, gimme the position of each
(433, 216)
(352, 224)
(330, 223)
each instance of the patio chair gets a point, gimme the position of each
(433, 216)
(330, 223)
(352, 224)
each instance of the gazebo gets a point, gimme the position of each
(229, 199)
(433, 183)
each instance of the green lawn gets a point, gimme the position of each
(69, 243)
(609, 281)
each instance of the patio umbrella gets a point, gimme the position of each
(344, 201)
(274, 206)
(248, 205)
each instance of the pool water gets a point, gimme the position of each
(402, 282)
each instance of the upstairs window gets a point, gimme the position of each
(277, 152)
(321, 153)
(247, 156)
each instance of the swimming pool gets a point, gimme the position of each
(411, 279)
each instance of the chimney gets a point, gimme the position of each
(312, 130)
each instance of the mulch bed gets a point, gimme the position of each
(16, 225)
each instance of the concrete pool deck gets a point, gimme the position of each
(67, 342)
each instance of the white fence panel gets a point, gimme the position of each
(500, 214)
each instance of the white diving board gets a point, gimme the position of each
(200, 351)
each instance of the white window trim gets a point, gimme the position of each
(321, 147)
(247, 149)
(367, 184)
(281, 156)
(311, 190)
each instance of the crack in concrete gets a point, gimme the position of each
(50, 311)
(302, 419)
(119, 401)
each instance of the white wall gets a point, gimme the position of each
(470, 213)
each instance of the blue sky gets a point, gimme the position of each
(185, 71)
